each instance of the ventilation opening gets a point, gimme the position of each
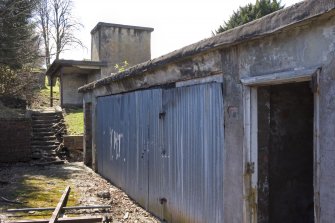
(285, 154)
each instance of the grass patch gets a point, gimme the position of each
(42, 96)
(74, 120)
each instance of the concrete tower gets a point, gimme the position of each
(115, 43)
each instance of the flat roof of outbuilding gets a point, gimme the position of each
(81, 65)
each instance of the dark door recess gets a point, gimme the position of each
(285, 154)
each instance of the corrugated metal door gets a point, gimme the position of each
(125, 134)
(165, 149)
(186, 178)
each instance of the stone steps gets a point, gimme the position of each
(50, 137)
(37, 126)
(46, 121)
(44, 143)
(49, 148)
(42, 134)
(46, 136)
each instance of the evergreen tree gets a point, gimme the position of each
(18, 41)
(249, 13)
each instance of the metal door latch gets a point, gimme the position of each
(161, 115)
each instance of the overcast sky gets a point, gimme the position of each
(177, 23)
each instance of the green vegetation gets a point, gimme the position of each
(42, 96)
(19, 41)
(122, 67)
(249, 13)
(45, 92)
(74, 120)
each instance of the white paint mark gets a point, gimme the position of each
(115, 142)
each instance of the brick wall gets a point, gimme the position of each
(15, 140)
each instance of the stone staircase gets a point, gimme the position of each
(48, 130)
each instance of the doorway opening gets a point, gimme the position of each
(285, 153)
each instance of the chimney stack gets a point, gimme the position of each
(116, 43)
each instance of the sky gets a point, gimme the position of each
(177, 23)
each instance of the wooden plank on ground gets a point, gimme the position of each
(62, 202)
(63, 208)
(85, 219)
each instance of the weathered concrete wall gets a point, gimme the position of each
(93, 77)
(15, 140)
(307, 45)
(69, 86)
(200, 66)
(327, 141)
(304, 45)
(233, 107)
(312, 44)
(115, 44)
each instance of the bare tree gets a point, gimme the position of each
(57, 27)
(43, 14)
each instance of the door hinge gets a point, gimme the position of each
(250, 168)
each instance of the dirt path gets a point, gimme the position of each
(43, 186)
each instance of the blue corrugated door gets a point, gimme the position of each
(165, 149)
(186, 170)
(125, 134)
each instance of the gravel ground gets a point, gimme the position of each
(88, 188)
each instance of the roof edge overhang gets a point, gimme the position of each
(104, 24)
(58, 64)
(275, 22)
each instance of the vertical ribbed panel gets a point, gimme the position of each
(123, 139)
(165, 149)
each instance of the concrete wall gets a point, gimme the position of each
(15, 140)
(303, 45)
(327, 142)
(309, 44)
(115, 44)
(93, 77)
(69, 90)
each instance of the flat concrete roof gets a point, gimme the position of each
(267, 25)
(103, 24)
(82, 65)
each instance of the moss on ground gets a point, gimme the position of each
(40, 191)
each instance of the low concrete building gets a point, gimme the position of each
(235, 128)
(72, 74)
(111, 44)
